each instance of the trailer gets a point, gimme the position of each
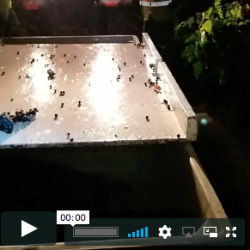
(111, 130)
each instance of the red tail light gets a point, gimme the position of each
(111, 4)
(30, 4)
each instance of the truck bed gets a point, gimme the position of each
(108, 98)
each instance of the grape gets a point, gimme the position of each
(6, 125)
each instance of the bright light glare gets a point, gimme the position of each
(104, 93)
(38, 89)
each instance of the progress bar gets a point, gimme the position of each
(96, 232)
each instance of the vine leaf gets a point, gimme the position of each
(238, 13)
(190, 22)
(198, 68)
(207, 26)
(5, 6)
(221, 29)
(217, 3)
(208, 13)
(199, 18)
(188, 53)
(191, 38)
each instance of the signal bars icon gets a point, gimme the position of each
(140, 233)
(231, 231)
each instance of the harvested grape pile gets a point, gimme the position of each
(7, 121)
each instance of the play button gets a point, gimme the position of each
(26, 228)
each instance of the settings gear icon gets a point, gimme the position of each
(165, 232)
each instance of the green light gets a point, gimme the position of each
(204, 121)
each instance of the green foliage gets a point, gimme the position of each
(5, 6)
(9, 23)
(216, 43)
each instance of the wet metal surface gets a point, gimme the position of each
(107, 98)
(183, 111)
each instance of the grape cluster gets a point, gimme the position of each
(51, 74)
(21, 116)
(6, 124)
(7, 121)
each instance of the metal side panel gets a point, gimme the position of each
(150, 47)
(69, 40)
(181, 107)
(117, 108)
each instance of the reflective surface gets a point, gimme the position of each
(108, 80)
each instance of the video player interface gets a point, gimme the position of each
(79, 229)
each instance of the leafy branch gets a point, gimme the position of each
(216, 43)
